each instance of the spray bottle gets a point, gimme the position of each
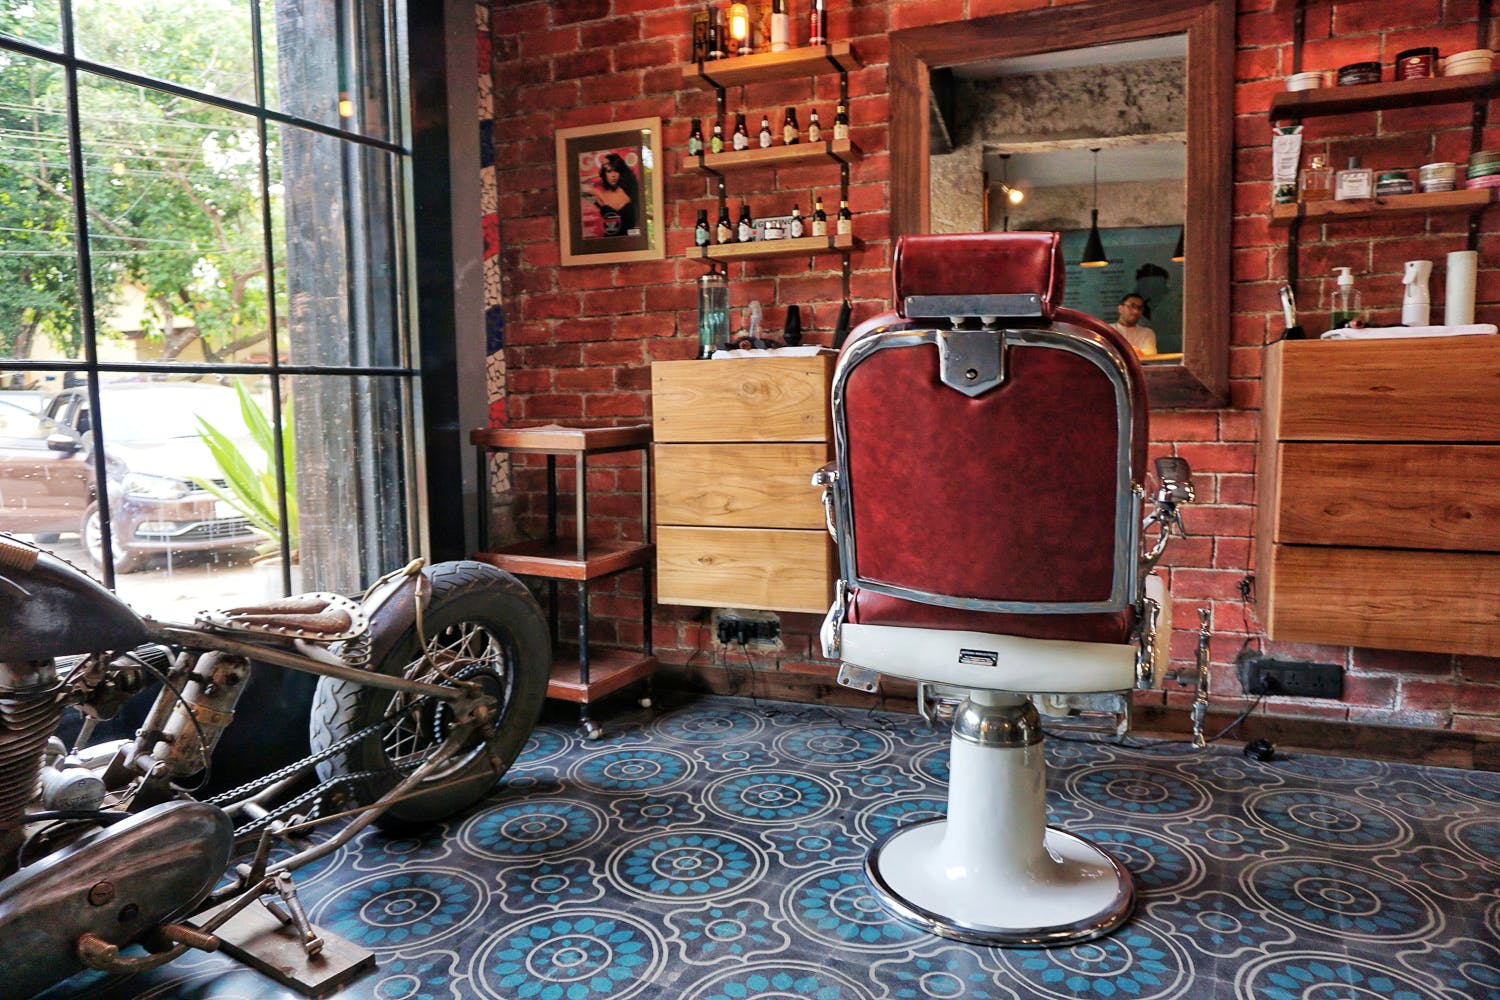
(1348, 306)
(1416, 303)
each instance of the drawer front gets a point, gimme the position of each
(746, 399)
(762, 568)
(739, 485)
(1441, 602)
(1437, 389)
(1390, 496)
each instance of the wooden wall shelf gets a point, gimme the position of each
(1329, 210)
(1323, 101)
(839, 150)
(806, 246)
(806, 60)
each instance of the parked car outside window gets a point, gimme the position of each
(156, 467)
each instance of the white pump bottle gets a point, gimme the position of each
(1416, 301)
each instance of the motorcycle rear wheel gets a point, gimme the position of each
(480, 624)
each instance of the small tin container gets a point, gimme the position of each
(1483, 163)
(1417, 64)
(1435, 177)
(1470, 61)
(1489, 181)
(1394, 182)
(1304, 81)
(1357, 73)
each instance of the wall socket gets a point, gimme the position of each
(746, 629)
(1288, 678)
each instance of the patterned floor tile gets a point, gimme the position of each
(715, 851)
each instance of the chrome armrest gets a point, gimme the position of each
(828, 478)
(1176, 489)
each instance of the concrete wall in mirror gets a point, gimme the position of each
(1030, 125)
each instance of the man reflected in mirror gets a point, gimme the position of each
(1142, 338)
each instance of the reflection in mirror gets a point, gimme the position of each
(984, 108)
(1062, 140)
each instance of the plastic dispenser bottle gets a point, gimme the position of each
(1416, 303)
(1348, 306)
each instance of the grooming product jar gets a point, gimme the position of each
(1394, 182)
(1484, 163)
(1471, 61)
(1417, 64)
(1435, 177)
(1357, 73)
(1304, 81)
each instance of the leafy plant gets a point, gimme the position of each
(249, 489)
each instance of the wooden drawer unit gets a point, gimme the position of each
(739, 523)
(1378, 519)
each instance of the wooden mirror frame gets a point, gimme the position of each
(1202, 379)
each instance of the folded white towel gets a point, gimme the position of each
(800, 351)
(1399, 332)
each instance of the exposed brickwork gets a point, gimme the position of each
(578, 342)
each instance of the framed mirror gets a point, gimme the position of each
(919, 57)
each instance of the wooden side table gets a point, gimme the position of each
(600, 671)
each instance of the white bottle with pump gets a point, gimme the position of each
(1416, 302)
(1348, 306)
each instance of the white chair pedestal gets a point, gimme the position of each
(992, 872)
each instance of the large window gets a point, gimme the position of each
(206, 381)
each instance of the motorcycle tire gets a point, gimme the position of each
(480, 622)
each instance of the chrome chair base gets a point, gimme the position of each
(1079, 894)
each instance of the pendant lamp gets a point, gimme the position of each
(1093, 248)
(1178, 254)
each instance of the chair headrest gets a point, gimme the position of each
(978, 274)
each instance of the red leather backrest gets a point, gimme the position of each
(979, 263)
(1012, 495)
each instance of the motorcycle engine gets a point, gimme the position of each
(30, 708)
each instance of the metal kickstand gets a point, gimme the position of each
(292, 913)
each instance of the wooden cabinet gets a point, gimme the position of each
(1379, 494)
(738, 522)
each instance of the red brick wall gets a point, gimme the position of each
(579, 341)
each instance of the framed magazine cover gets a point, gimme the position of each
(609, 200)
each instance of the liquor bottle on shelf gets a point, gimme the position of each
(746, 233)
(725, 232)
(701, 234)
(817, 32)
(741, 133)
(820, 218)
(765, 132)
(845, 224)
(795, 229)
(715, 36)
(781, 26)
(790, 128)
(814, 127)
(695, 139)
(841, 124)
(716, 144)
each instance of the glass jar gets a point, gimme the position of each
(713, 312)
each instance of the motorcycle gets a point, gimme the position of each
(428, 687)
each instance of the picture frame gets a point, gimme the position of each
(609, 193)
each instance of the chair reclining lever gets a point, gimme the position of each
(828, 478)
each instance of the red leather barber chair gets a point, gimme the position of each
(988, 498)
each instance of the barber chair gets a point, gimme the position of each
(988, 496)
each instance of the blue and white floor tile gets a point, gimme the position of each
(714, 852)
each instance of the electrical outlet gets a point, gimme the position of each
(1289, 678)
(747, 630)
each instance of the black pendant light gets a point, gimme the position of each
(1178, 254)
(1093, 249)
